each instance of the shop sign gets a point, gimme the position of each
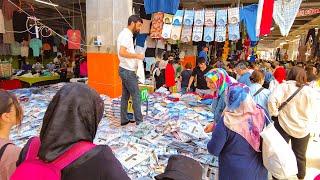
(308, 12)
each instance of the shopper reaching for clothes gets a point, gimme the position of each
(10, 115)
(73, 116)
(236, 138)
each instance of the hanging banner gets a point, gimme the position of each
(74, 39)
(308, 12)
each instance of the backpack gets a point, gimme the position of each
(36, 169)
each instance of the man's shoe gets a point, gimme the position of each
(132, 121)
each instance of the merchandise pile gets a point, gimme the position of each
(173, 124)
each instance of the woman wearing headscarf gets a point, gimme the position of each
(218, 81)
(72, 116)
(10, 115)
(236, 138)
(279, 75)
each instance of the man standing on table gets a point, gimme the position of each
(198, 74)
(127, 70)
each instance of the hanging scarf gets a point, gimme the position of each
(243, 116)
(221, 79)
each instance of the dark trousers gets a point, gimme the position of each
(130, 88)
(299, 147)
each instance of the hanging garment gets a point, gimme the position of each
(24, 51)
(145, 29)
(151, 43)
(74, 39)
(178, 17)
(8, 37)
(234, 32)
(161, 44)
(221, 33)
(248, 15)
(188, 17)
(285, 13)
(264, 17)
(208, 34)
(140, 70)
(149, 62)
(197, 33)
(141, 39)
(221, 17)
(2, 28)
(186, 34)
(311, 34)
(170, 7)
(166, 31)
(210, 17)
(167, 18)
(19, 24)
(157, 25)
(233, 15)
(176, 32)
(36, 45)
(199, 18)
(15, 48)
(8, 9)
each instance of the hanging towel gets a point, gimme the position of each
(199, 18)
(284, 14)
(145, 29)
(167, 18)
(210, 17)
(222, 17)
(208, 34)
(157, 25)
(166, 32)
(176, 32)
(264, 17)
(248, 15)
(188, 17)
(170, 7)
(234, 32)
(197, 33)
(221, 33)
(186, 34)
(178, 17)
(233, 15)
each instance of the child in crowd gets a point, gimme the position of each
(170, 74)
(10, 115)
(185, 76)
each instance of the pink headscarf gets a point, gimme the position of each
(243, 116)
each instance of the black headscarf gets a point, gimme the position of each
(73, 115)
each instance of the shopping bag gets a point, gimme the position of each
(277, 154)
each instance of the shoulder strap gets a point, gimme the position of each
(259, 91)
(75, 152)
(33, 149)
(4, 147)
(289, 99)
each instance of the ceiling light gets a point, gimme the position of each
(272, 28)
(47, 3)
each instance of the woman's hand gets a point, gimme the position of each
(210, 128)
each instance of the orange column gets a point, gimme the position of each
(103, 73)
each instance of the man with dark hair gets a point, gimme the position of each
(198, 74)
(128, 66)
(204, 54)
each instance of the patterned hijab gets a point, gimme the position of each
(221, 79)
(243, 116)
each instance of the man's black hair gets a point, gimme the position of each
(201, 60)
(134, 19)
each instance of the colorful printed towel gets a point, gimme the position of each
(188, 17)
(178, 17)
(208, 34)
(197, 33)
(199, 18)
(167, 18)
(186, 34)
(234, 32)
(210, 17)
(222, 17)
(176, 32)
(157, 25)
(221, 33)
(233, 15)
(166, 31)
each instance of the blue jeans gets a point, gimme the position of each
(130, 88)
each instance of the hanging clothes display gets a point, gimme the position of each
(74, 39)
(166, 32)
(36, 45)
(234, 32)
(199, 18)
(167, 19)
(178, 17)
(221, 33)
(176, 32)
(186, 34)
(221, 18)
(248, 15)
(15, 48)
(188, 17)
(8, 37)
(208, 34)
(210, 17)
(233, 15)
(19, 24)
(2, 28)
(145, 29)
(170, 7)
(141, 39)
(197, 33)
(157, 25)
(8, 9)
(25, 48)
(264, 17)
(151, 43)
(284, 14)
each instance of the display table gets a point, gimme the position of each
(42, 79)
